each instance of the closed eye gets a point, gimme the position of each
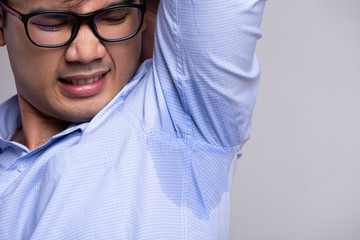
(114, 20)
(52, 27)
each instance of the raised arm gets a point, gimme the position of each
(204, 53)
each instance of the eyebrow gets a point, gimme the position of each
(73, 4)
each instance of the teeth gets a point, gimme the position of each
(83, 81)
(90, 80)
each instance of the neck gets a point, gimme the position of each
(37, 128)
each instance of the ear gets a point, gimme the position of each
(2, 38)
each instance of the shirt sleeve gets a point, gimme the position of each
(204, 59)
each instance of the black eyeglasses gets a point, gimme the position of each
(53, 29)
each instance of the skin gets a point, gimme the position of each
(45, 108)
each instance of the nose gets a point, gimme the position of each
(86, 47)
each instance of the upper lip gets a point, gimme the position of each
(84, 76)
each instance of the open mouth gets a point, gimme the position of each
(81, 80)
(84, 85)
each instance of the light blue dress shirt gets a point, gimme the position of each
(158, 161)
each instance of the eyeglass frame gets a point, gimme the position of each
(80, 18)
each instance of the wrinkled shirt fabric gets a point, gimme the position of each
(158, 161)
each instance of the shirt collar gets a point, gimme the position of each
(10, 121)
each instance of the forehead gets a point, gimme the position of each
(69, 5)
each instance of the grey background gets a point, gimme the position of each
(299, 176)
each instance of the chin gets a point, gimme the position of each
(80, 111)
(80, 118)
(78, 115)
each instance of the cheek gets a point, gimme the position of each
(34, 73)
(126, 55)
(33, 64)
(25, 56)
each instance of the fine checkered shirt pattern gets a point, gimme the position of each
(158, 161)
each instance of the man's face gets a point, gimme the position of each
(71, 83)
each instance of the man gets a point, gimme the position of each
(95, 147)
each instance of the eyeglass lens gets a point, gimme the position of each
(57, 28)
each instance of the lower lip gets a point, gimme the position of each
(86, 90)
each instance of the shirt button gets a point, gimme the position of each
(22, 166)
